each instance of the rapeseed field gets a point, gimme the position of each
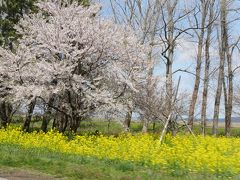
(216, 155)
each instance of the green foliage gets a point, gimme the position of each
(82, 2)
(11, 11)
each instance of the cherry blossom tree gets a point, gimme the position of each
(68, 52)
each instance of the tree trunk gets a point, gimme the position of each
(169, 64)
(54, 124)
(46, 119)
(154, 126)
(26, 125)
(127, 120)
(222, 47)
(145, 126)
(5, 113)
(227, 120)
(218, 97)
(198, 67)
(65, 123)
(228, 112)
(47, 115)
(206, 70)
(4, 119)
(75, 122)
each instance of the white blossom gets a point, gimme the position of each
(67, 48)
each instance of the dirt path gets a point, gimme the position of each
(16, 174)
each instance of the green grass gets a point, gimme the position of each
(70, 166)
(115, 127)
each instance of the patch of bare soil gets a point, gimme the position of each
(16, 174)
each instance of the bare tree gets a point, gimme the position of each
(228, 87)
(144, 18)
(218, 93)
(237, 100)
(204, 8)
(207, 65)
(169, 33)
(172, 16)
(150, 102)
(225, 82)
(157, 23)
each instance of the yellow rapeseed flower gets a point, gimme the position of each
(200, 154)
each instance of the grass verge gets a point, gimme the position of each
(68, 166)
